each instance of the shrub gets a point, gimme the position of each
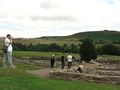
(109, 50)
(87, 50)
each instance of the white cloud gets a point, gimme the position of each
(35, 18)
(52, 18)
(48, 5)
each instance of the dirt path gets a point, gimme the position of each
(41, 72)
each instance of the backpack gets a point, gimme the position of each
(4, 49)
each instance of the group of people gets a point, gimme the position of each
(7, 61)
(69, 59)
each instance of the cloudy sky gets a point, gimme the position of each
(35, 18)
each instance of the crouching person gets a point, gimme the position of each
(80, 69)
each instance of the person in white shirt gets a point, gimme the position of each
(69, 58)
(7, 61)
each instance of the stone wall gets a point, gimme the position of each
(85, 77)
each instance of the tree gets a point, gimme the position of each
(65, 46)
(55, 48)
(74, 48)
(30, 47)
(109, 50)
(87, 50)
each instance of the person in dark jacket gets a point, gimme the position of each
(52, 61)
(62, 61)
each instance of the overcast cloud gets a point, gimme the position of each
(36, 18)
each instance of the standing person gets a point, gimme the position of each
(69, 58)
(52, 61)
(63, 61)
(7, 61)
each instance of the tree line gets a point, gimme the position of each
(107, 41)
(107, 49)
(86, 49)
(53, 47)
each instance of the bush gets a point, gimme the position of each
(87, 50)
(109, 50)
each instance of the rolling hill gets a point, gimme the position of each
(94, 35)
(98, 35)
(61, 40)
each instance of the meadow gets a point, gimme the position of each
(41, 54)
(18, 79)
(59, 54)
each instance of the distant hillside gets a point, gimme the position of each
(94, 35)
(108, 36)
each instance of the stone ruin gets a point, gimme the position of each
(92, 72)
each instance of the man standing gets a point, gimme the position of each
(52, 61)
(62, 61)
(7, 62)
(69, 58)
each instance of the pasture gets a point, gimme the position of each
(18, 79)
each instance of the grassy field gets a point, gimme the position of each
(59, 54)
(28, 54)
(40, 54)
(18, 79)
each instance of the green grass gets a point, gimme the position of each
(28, 54)
(18, 79)
(27, 82)
(21, 65)
(40, 54)
(58, 55)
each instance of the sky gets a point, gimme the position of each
(36, 18)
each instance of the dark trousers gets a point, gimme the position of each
(52, 64)
(69, 65)
(62, 64)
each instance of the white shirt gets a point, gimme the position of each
(69, 58)
(7, 43)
